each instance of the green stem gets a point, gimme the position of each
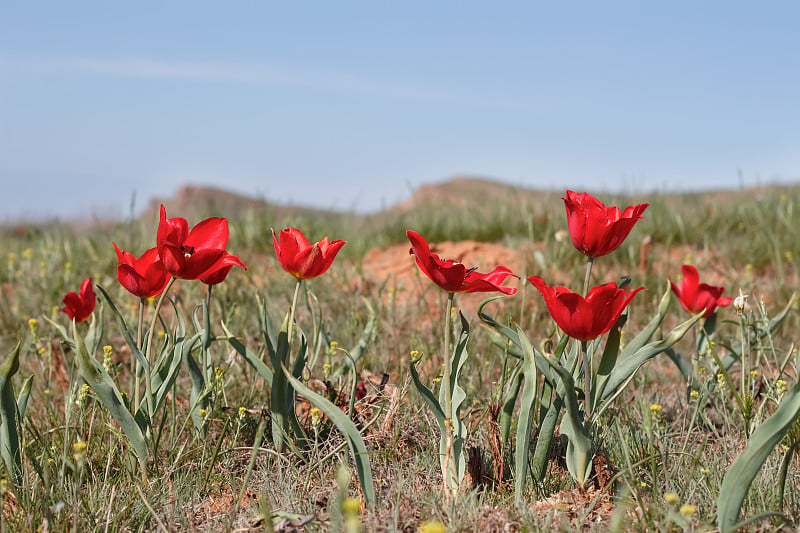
(292, 311)
(448, 396)
(448, 401)
(135, 360)
(587, 380)
(787, 459)
(148, 386)
(588, 277)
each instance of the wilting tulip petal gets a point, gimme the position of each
(695, 296)
(80, 306)
(452, 276)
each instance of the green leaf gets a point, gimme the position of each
(579, 447)
(363, 341)
(9, 424)
(744, 469)
(610, 386)
(346, 426)
(254, 360)
(526, 416)
(106, 391)
(123, 328)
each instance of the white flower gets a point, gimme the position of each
(740, 303)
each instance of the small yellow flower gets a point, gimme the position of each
(41, 351)
(316, 416)
(694, 394)
(655, 409)
(701, 370)
(27, 253)
(671, 498)
(202, 412)
(705, 471)
(754, 373)
(351, 505)
(33, 323)
(688, 509)
(242, 411)
(780, 386)
(432, 526)
(79, 451)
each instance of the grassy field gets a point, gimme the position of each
(661, 452)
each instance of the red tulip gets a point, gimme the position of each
(194, 254)
(585, 318)
(79, 306)
(596, 229)
(301, 259)
(144, 277)
(455, 277)
(695, 296)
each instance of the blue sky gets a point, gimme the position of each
(351, 105)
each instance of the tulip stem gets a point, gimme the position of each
(586, 280)
(448, 400)
(134, 360)
(584, 349)
(292, 311)
(587, 378)
(148, 386)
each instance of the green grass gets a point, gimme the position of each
(747, 240)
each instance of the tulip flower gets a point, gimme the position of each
(695, 296)
(587, 318)
(79, 306)
(455, 277)
(144, 277)
(300, 258)
(194, 254)
(595, 229)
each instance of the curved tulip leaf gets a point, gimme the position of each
(579, 446)
(254, 360)
(744, 469)
(107, 393)
(346, 426)
(610, 386)
(123, 328)
(500, 335)
(547, 428)
(526, 416)
(644, 336)
(363, 341)
(510, 400)
(24, 395)
(458, 465)
(9, 424)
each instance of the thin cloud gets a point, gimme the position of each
(211, 72)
